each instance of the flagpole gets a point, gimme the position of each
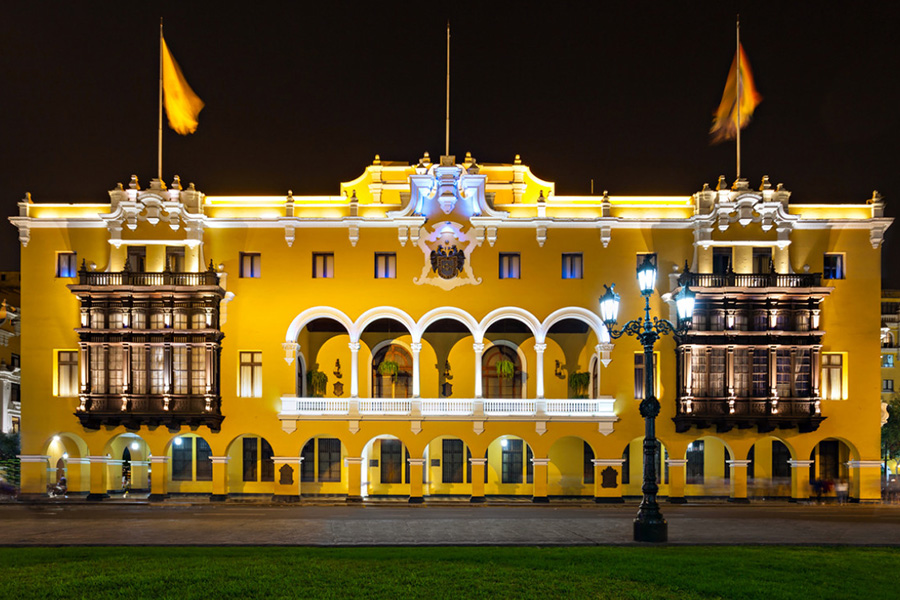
(159, 162)
(447, 132)
(738, 89)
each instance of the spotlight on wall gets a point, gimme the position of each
(178, 441)
(135, 445)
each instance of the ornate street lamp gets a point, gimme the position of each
(649, 525)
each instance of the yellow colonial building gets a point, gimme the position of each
(433, 331)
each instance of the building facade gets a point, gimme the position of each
(433, 331)
(10, 361)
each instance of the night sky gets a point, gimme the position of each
(303, 96)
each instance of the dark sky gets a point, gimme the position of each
(303, 95)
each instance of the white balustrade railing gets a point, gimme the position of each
(384, 406)
(508, 407)
(447, 407)
(292, 406)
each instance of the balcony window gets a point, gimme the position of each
(66, 264)
(323, 265)
(385, 265)
(329, 459)
(721, 261)
(179, 320)
(157, 370)
(136, 259)
(251, 265)
(180, 369)
(452, 461)
(175, 260)
(572, 265)
(834, 266)
(98, 370)
(250, 375)
(98, 319)
(157, 320)
(67, 373)
(198, 320)
(762, 260)
(510, 265)
(783, 373)
(887, 385)
(116, 369)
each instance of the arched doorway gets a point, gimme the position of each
(392, 372)
(502, 372)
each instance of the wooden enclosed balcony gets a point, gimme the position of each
(766, 414)
(133, 411)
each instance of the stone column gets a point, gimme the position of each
(738, 480)
(676, 480)
(220, 478)
(32, 475)
(800, 479)
(539, 371)
(539, 488)
(608, 489)
(416, 348)
(78, 475)
(99, 486)
(865, 480)
(416, 465)
(478, 347)
(478, 467)
(354, 370)
(287, 478)
(354, 478)
(159, 478)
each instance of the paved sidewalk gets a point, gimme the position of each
(388, 524)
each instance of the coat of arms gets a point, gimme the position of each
(447, 261)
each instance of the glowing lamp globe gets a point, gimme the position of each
(609, 305)
(646, 275)
(684, 305)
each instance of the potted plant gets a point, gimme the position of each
(316, 383)
(388, 367)
(506, 369)
(579, 383)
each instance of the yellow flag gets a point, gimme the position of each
(182, 104)
(725, 122)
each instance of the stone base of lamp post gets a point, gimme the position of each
(654, 529)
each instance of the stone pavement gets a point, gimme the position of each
(387, 524)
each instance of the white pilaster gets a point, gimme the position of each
(539, 370)
(416, 348)
(354, 370)
(478, 347)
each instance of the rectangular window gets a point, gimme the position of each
(510, 265)
(699, 368)
(198, 370)
(762, 260)
(783, 373)
(98, 319)
(717, 372)
(179, 320)
(138, 319)
(721, 260)
(180, 369)
(588, 463)
(694, 471)
(760, 373)
(266, 461)
(781, 468)
(452, 461)
(391, 461)
(116, 320)
(198, 319)
(16, 423)
(322, 265)
(832, 376)
(157, 370)
(802, 373)
(98, 369)
(182, 459)
(250, 457)
(511, 460)
(204, 462)
(385, 265)
(887, 385)
(741, 372)
(136, 258)
(139, 369)
(157, 320)
(15, 393)
(67, 373)
(251, 264)
(329, 459)
(15, 361)
(175, 260)
(116, 369)
(251, 375)
(308, 465)
(887, 361)
(639, 376)
(572, 265)
(834, 267)
(66, 264)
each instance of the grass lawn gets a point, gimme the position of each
(768, 572)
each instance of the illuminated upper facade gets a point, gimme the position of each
(433, 330)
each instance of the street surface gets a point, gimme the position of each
(183, 523)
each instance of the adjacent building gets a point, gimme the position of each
(10, 362)
(433, 331)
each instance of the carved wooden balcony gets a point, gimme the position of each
(751, 280)
(133, 411)
(766, 414)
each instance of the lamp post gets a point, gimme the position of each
(649, 525)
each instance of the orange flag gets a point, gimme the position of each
(725, 122)
(182, 104)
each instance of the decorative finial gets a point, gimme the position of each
(518, 160)
(541, 198)
(191, 187)
(176, 183)
(765, 185)
(133, 184)
(876, 197)
(377, 160)
(723, 184)
(705, 187)
(119, 187)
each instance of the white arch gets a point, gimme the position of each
(385, 312)
(454, 313)
(516, 313)
(580, 314)
(318, 312)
